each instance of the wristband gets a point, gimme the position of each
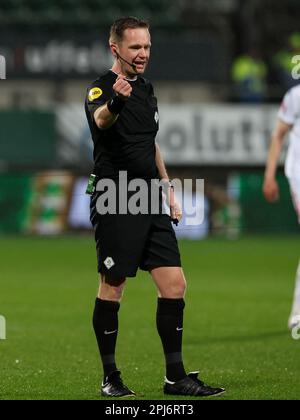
(115, 105)
(167, 184)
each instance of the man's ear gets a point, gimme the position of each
(114, 51)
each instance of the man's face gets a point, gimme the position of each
(135, 48)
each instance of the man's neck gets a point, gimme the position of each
(130, 79)
(117, 69)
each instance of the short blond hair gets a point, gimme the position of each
(119, 27)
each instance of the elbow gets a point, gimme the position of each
(101, 124)
(104, 124)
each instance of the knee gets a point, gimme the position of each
(177, 288)
(112, 291)
(180, 288)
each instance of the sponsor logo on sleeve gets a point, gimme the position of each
(94, 94)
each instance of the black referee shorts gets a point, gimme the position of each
(128, 242)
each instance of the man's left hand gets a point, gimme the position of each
(175, 208)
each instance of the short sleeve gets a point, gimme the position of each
(98, 94)
(288, 111)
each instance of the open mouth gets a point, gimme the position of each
(139, 64)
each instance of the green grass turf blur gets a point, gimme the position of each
(238, 302)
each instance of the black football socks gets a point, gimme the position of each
(170, 328)
(106, 326)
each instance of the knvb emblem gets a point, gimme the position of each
(2, 67)
(2, 328)
(109, 263)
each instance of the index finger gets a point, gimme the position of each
(121, 77)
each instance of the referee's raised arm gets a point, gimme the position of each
(107, 115)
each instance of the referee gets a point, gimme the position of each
(123, 118)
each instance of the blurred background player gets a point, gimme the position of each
(249, 75)
(288, 121)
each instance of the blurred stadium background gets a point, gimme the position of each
(220, 69)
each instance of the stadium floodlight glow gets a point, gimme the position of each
(2, 328)
(296, 69)
(2, 67)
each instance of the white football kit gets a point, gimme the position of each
(290, 114)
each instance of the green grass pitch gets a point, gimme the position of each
(238, 303)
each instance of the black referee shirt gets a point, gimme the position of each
(129, 145)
